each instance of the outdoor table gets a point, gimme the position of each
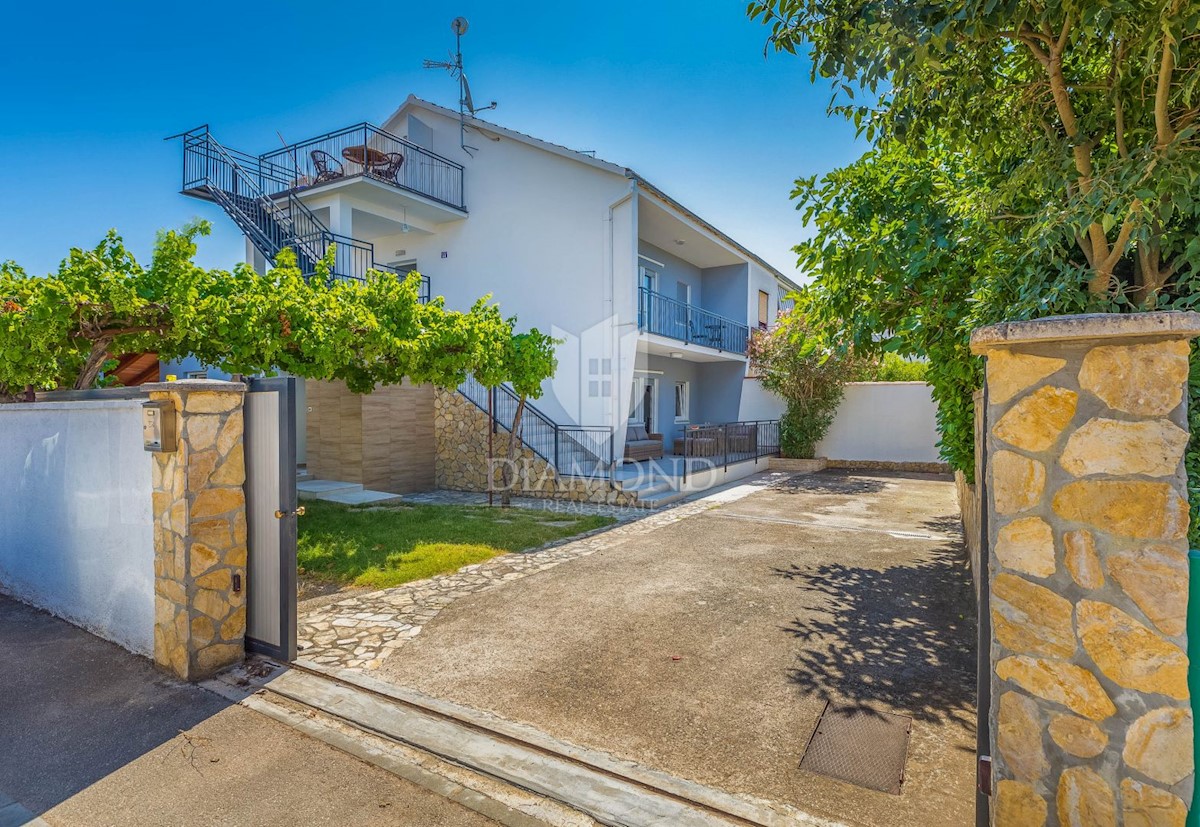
(365, 156)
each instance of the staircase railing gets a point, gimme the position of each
(258, 199)
(573, 450)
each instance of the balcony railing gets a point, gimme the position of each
(365, 151)
(730, 442)
(665, 316)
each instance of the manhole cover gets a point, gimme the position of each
(860, 746)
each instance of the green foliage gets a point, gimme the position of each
(798, 365)
(56, 331)
(383, 548)
(1029, 160)
(899, 248)
(892, 367)
(1081, 116)
(61, 330)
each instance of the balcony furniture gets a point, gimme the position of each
(641, 445)
(394, 161)
(423, 172)
(697, 446)
(328, 168)
(667, 316)
(367, 157)
(742, 438)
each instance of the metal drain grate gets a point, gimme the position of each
(863, 747)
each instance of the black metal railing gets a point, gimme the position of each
(666, 316)
(730, 442)
(365, 151)
(272, 221)
(573, 450)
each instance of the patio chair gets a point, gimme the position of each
(394, 161)
(328, 168)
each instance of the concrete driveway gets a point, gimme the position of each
(709, 647)
(92, 735)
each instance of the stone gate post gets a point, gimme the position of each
(200, 531)
(1090, 719)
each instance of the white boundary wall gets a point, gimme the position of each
(883, 422)
(76, 519)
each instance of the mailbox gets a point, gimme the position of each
(159, 429)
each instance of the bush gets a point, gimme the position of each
(808, 374)
(892, 367)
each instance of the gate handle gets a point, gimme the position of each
(299, 512)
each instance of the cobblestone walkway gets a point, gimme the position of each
(622, 513)
(359, 632)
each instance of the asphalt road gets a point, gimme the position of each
(92, 735)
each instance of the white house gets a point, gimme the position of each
(654, 305)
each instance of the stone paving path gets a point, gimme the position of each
(359, 632)
(622, 513)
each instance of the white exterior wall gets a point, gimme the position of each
(760, 279)
(884, 422)
(540, 237)
(757, 403)
(76, 517)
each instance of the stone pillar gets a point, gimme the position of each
(1087, 515)
(200, 531)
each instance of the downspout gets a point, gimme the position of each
(615, 326)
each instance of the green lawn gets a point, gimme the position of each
(377, 548)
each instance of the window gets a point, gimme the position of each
(648, 278)
(764, 302)
(196, 374)
(599, 377)
(681, 401)
(645, 398)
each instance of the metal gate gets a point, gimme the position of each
(270, 446)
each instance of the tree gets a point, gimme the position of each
(1083, 115)
(1050, 152)
(57, 331)
(525, 360)
(797, 364)
(900, 247)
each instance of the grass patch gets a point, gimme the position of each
(385, 547)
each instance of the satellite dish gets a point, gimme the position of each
(459, 25)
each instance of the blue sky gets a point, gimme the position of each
(679, 91)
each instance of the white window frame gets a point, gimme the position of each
(640, 381)
(648, 278)
(686, 397)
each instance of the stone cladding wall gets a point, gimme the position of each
(462, 459)
(200, 531)
(1091, 720)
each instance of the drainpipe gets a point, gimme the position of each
(614, 342)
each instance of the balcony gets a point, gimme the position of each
(365, 152)
(667, 316)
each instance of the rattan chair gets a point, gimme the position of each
(328, 168)
(389, 172)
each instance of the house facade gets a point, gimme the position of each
(653, 305)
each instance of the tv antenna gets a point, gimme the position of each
(466, 105)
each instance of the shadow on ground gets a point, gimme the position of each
(830, 482)
(904, 634)
(75, 708)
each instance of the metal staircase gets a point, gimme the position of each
(572, 450)
(260, 198)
